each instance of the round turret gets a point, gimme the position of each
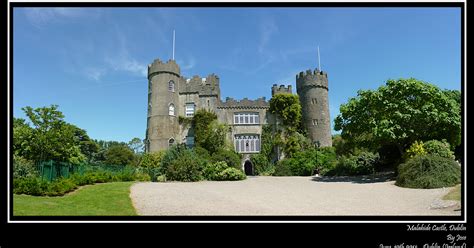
(163, 105)
(312, 88)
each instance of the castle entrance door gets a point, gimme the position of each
(248, 168)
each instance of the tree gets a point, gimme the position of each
(136, 144)
(87, 146)
(119, 155)
(21, 137)
(51, 137)
(288, 108)
(208, 133)
(398, 114)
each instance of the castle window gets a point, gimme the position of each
(246, 118)
(171, 86)
(171, 109)
(314, 101)
(247, 143)
(190, 109)
(170, 142)
(315, 122)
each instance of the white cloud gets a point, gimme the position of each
(268, 28)
(187, 65)
(40, 17)
(95, 73)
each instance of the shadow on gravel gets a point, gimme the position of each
(377, 178)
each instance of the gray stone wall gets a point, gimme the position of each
(161, 127)
(312, 88)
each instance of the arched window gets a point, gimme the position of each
(171, 109)
(170, 142)
(171, 86)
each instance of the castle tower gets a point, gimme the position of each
(163, 105)
(312, 88)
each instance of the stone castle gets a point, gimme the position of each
(171, 96)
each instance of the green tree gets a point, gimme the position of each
(21, 137)
(136, 144)
(208, 133)
(87, 146)
(51, 137)
(287, 107)
(119, 155)
(400, 113)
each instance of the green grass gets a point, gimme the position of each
(454, 194)
(92, 200)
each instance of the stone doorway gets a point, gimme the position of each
(248, 168)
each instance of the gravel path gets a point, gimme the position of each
(289, 196)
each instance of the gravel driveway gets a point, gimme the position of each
(289, 196)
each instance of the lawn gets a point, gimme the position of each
(454, 194)
(99, 199)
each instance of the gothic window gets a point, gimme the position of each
(170, 142)
(171, 109)
(247, 143)
(314, 101)
(171, 86)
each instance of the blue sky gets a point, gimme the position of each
(92, 61)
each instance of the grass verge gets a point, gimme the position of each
(454, 194)
(93, 200)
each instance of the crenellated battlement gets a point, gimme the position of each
(310, 73)
(230, 102)
(281, 89)
(159, 66)
(311, 78)
(201, 85)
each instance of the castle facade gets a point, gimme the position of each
(171, 96)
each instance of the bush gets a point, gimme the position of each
(202, 153)
(416, 149)
(439, 148)
(211, 170)
(161, 178)
(231, 158)
(30, 186)
(187, 167)
(151, 160)
(363, 164)
(231, 174)
(428, 171)
(60, 187)
(23, 167)
(261, 165)
(282, 168)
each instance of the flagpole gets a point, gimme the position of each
(173, 42)
(319, 61)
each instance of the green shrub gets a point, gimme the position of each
(151, 160)
(187, 167)
(211, 170)
(261, 165)
(282, 168)
(60, 187)
(439, 148)
(23, 167)
(202, 153)
(231, 174)
(428, 171)
(30, 186)
(363, 164)
(301, 164)
(161, 178)
(230, 157)
(416, 149)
